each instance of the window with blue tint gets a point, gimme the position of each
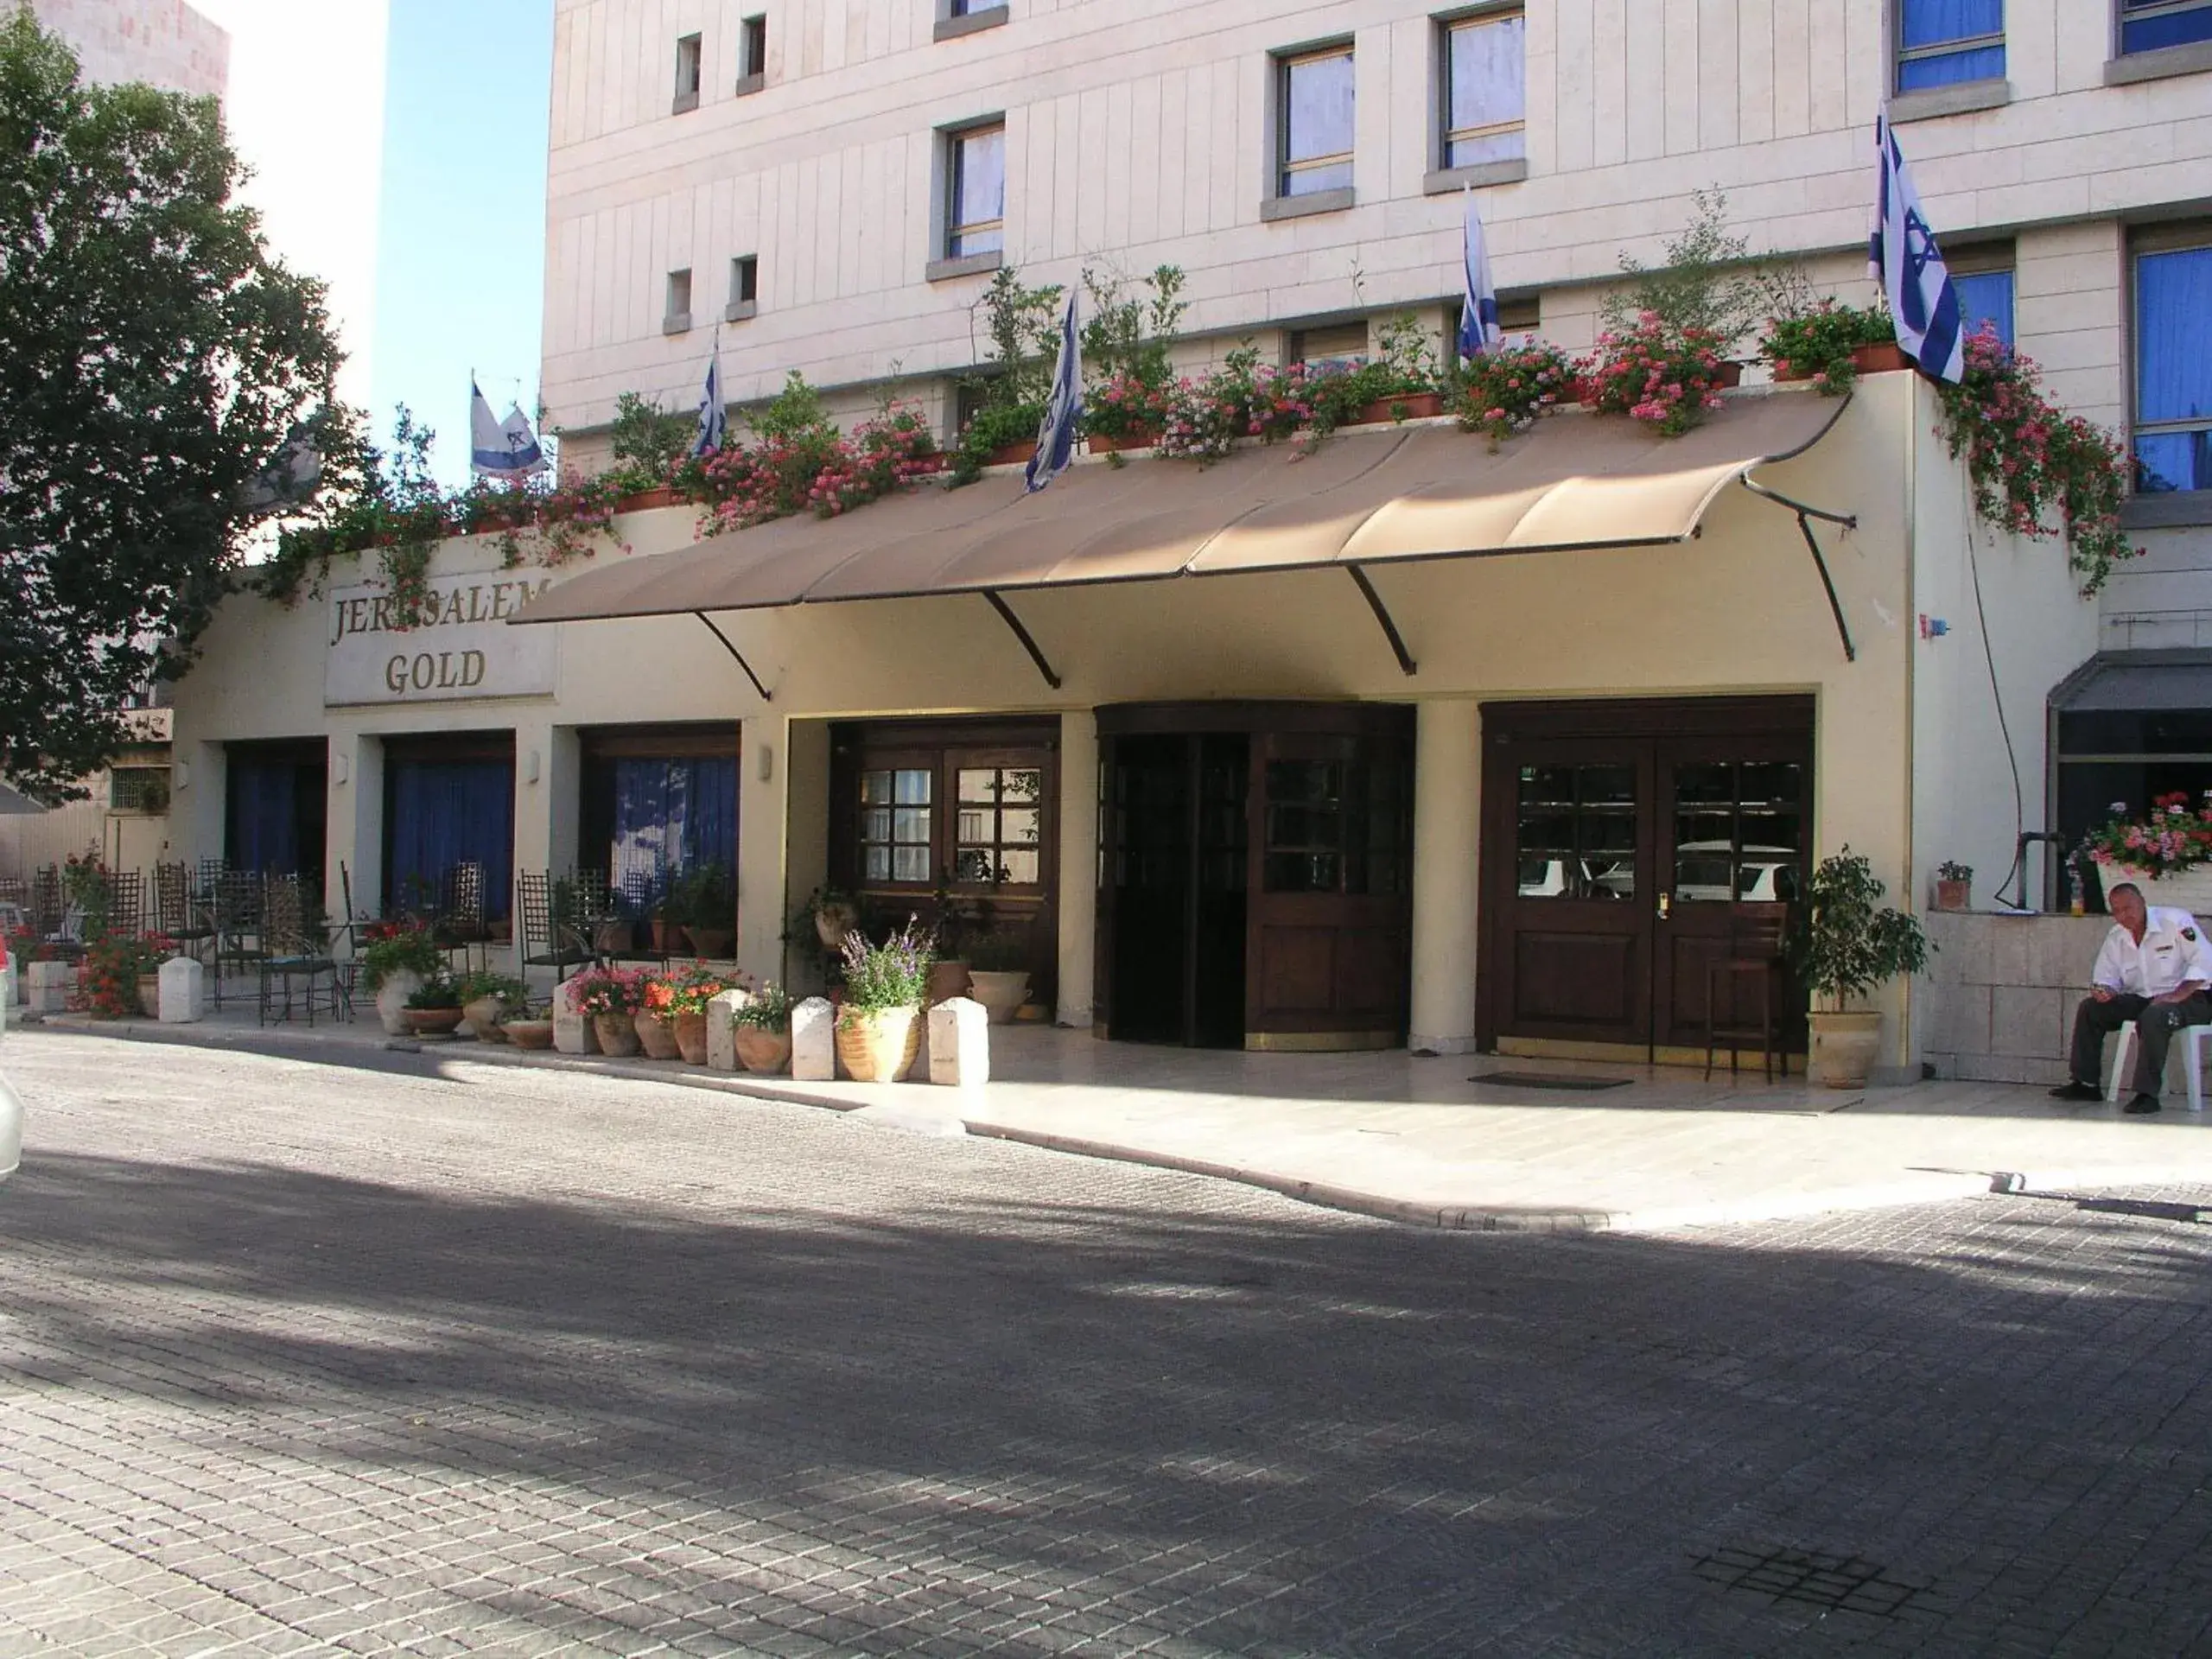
(1315, 111)
(1486, 89)
(440, 813)
(2173, 370)
(1986, 296)
(2149, 25)
(670, 814)
(1943, 42)
(975, 177)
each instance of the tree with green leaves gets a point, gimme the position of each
(155, 360)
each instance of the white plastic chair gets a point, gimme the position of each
(2192, 1039)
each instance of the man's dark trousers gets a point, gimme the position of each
(2155, 1024)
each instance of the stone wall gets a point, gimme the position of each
(1999, 1002)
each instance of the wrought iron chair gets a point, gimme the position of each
(556, 924)
(45, 907)
(236, 915)
(291, 953)
(126, 903)
(1757, 933)
(460, 925)
(177, 912)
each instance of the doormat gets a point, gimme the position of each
(1542, 1080)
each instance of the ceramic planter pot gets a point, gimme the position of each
(947, 980)
(483, 1016)
(1886, 357)
(1101, 444)
(765, 1051)
(714, 942)
(691, 1037)
(1002, 994)
(646, 500)
(1729, 374)
(1406, 406)
(1843, 1047)
(391, 1000)
(663, 933)
(1952, 895)
(432, 1022)
(617, 1034)
(879, 1047)
(613, 938)
(657, 1034)
(833, 922)
(529, 1033)
(150, 994)
(1011, 454)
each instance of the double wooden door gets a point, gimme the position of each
(1622, 844)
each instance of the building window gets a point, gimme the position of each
(1486, 90)
(1943, 42)
(975, 216)
(138, 789)
(678, 317)
(2173, 372)
(687, 74)
(1986, 300)
(2151, 25)
(898, 825)
(973, 8)
(753, 58)
(1341, 345)
(1001, 825)
(744, 289)
(1313, 114)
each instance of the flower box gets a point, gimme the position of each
(1011, 454)
(2190, 890)
(1887, 358)
(1406, 406)
(1730, 374)
(1103, 444)
(646, 500)
(923, 466)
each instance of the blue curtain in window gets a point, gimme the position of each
(1986, 296)
(2161, 28)
(2173, 369)
(448, 812)
(1936, 22)
(264, 817)
(673, 814)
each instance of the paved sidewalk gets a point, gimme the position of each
(1441, 1142)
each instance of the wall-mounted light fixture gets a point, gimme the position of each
(180, 775)
(529, 766)
(340, 770)
(767, 762)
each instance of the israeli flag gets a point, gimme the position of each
(501, 449)
(1056, 434)
(1478, 329)
(713, 421)
(1923, 301)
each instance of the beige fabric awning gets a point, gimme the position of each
(1578, 481)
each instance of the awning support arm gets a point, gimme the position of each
(1406, 663)
(735, 653)
(1806, 514)
(1028, 643)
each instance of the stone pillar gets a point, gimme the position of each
(1078, 893)
(960, 1043)
(721, 1040)
(764, 782)
(50, 982)
(1447, 818)
(814, 1041)
(184, 992)
(356, 829)
(572, 1031)
(802, 812)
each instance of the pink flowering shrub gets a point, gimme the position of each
(1503, 391)
(2173, 837)
(1666, 377)
(1127, 406)
(2031, 462)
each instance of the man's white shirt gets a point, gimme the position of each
(2172, 950)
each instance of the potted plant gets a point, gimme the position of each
(1832, 345)
(1953, 885)
(834, 915)
(998, 973)
(1666, 377)
(2166, 852)
(880, 1022)
(608, 997)
(397, 957)
(667, 913)
(526, 1027)
(763, 1030)
(654, 1018)
(709, 911)
(485, 998)
(433, 1008)
(1842, 948)
(948, 965)
(1502, 392)
(685, 996)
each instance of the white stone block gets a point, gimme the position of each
(960, 1043)
(814, 1041)
(50, 982)
(572, 1031)
(721, 1038)
(183, 996)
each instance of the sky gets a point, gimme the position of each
(460, 221)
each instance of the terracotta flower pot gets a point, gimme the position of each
(1883, 358)
(617, 1034)
(529, 1033)
(1002, 994)
(879, 1047)
(483, 1015)
(763, 1051)
(691, 1038)
(663, 932)
(923, 466)
(656, 1034)
(947, 980)
(833, 922)
(1729, 374)
(613, 938)
(1011, 454)
(646, 500)
(433, 1022)
(712, 941)
(1952, 895)
(1843, 1047)
(1103, 444)
(1406, 406)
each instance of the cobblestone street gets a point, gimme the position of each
(413, 1354)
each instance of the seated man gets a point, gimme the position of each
(2153, 969)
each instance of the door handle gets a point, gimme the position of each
(1666, 906)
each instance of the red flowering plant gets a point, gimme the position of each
(107, 985)
(607, 990)
(395, 946)
(688, 990)
(1666, 377)
(2173, 837)
(1208, 417)
(1816, 343)
(2036, 470)
(1503, 391)
(881, 455)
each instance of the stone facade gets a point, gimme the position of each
(1998, 1005)
(164, 42)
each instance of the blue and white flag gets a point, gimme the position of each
(713, 421)
(501, 449)
(1478, 329)
(1923, 303)
(1056, 434)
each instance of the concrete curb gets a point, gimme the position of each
(1925, 1186)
